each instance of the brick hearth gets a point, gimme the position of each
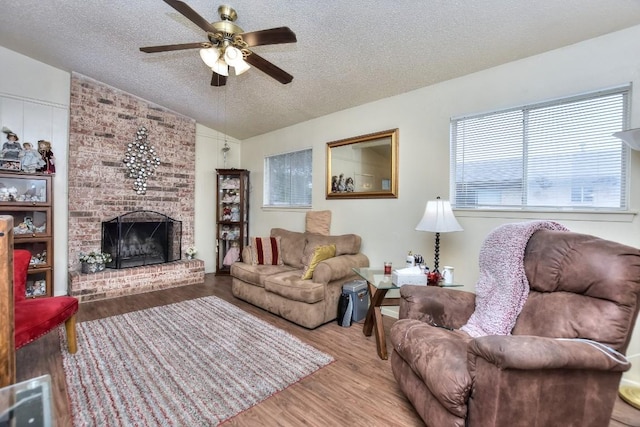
(103, 121)
(116, 283)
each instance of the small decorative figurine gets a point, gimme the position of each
(232, 255)
(226, 213)
(235, 213)
(44, 148)
(11, 149)
(30, 159)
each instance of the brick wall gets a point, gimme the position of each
(103, 121)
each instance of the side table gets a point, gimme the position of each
(378, 284)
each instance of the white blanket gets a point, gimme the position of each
(503, 288)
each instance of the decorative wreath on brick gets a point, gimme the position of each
(141, 160)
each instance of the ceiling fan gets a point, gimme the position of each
(229, 45)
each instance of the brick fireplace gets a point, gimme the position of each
(103, 121)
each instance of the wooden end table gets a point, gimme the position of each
(378, 284)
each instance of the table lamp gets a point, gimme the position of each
(438, 217)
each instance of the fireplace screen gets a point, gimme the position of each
(142, 238)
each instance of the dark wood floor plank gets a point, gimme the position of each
(357, 389)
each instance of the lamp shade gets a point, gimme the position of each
(240, 67)
(221, 67)
(210, 56)
(232, 56)
(438, 217)
(631, 137)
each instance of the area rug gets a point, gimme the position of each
(192, 363)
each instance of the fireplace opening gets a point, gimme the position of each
(141, 238)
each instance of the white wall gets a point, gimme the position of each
(34, 103)
(387, 225)
(209, 157)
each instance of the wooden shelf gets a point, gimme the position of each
(28, 198)
(232, 216)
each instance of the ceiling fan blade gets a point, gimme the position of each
(272, 36)
(191, 15)
(218, 79)
(168, 47)
(268, 68)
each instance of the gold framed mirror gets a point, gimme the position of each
(365, 166)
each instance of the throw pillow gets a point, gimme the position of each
(319, 254)
(318, 222)
(266, 250)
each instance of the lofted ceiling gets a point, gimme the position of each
(348, 52)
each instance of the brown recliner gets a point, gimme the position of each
(550, 371)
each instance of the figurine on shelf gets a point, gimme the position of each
(25, 227)
(11, 149)
(224, 233)
(235, 213)
(229, 196)
(8, 194)
(30, 159)
(234, 183)
(232, 234)
(38, 259)
(226, 213)
(44, 148)
(28, 222)
(232, 255)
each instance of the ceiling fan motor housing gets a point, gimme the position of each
(227, 13)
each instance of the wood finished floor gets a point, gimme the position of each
(358, 389)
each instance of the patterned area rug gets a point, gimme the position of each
(192, 363)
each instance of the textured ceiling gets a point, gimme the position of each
(348, 52)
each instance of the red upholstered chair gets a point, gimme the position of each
(37, 316)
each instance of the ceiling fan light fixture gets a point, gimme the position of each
(241, 67)
(228, 44)
(210, 56)
(221, 67)
(233, 56)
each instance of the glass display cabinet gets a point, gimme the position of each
(28, 199)
(232, 222)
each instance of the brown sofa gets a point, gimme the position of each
(543, 374)
(281, 290)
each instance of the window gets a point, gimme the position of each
(287, 179)
(558, 154)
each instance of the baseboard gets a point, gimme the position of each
(390, 310)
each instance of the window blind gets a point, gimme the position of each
(288, 179)
(558, 154)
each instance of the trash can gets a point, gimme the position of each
(359, 296)
(345, 310)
